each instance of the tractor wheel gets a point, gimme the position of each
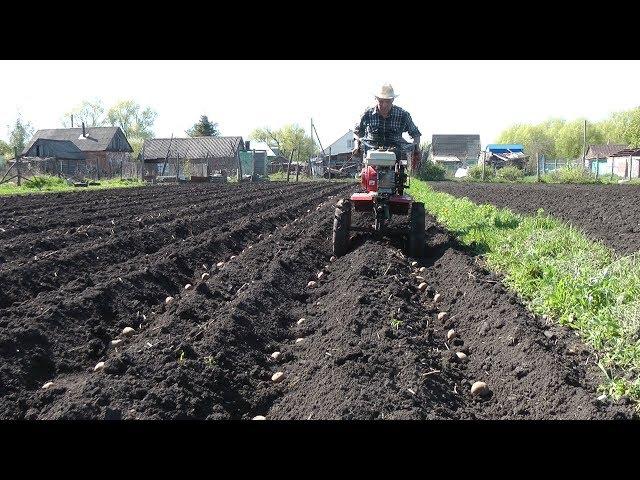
(341, 226)
(417, 237)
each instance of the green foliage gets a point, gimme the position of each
(569, 175)
(134, 121)
(395, 323)
(89, 112)
(509, 174)
(558, 138)
(623, 127)
(136, 143)
(45, 182)
(475, 173)
(287, 139)
(19, 134)
(204, 128)
(431, 171)
(5, 149)
(558, 272)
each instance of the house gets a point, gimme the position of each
(93, 149)
(338, 155)
(191, 156)
(600, 158)
(57, 156)
(273, 160)
(625, 163)
(501, 155)
(455, 151)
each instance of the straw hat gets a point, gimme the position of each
(386, 92)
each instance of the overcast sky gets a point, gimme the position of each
(455, 96)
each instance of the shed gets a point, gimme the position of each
(455, 151)
(205, 155)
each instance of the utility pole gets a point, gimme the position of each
(584, 143)
(15, 155)
(484, 162)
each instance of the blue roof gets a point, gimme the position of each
(503, 147)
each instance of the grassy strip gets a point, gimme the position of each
(558, 272)
(47, 184)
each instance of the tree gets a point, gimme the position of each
(20, 134)
(5, 149)
(569, 139)
(89, 112)
(622, 127)
(204, 128)
(287, 139)
(132, 119)
(534, 138)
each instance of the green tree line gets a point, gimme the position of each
(559, 138)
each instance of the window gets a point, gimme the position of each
(350, 143)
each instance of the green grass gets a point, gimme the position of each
(45, 184)
(558, 272)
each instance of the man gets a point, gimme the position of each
(385, 123)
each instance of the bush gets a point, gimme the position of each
(431, 171)
(509, 174)
(45, 182)
(475, 173)
(569, 175)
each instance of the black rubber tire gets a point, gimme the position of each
(417, 237)
(341, 226)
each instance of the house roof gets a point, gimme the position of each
(505, 147)
(191, 147)
(98, 139)
(461, 146)
(44, 147)
(604, 151)
(341, 144)
(263, 146)
(627, 152)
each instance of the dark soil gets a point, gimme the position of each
(78, 268)
(607, 213)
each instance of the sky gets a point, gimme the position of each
(444, 96)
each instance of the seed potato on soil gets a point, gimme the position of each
(210, 357)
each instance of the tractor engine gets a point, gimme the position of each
(379, 172)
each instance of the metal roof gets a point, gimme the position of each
(65, 149)
(604, 151)
(97, 139)
(505, 147)
(191, 147)
(627, 152)
(462, 146)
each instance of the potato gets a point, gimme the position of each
(277, 377)
(479, 389)
(128, 331)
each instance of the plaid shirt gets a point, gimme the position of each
(388, 130)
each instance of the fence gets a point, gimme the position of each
(623, 167)
(28, 167)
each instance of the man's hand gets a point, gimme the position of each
(416, 144)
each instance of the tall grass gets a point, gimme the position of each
(48, 183)
(558, 272)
